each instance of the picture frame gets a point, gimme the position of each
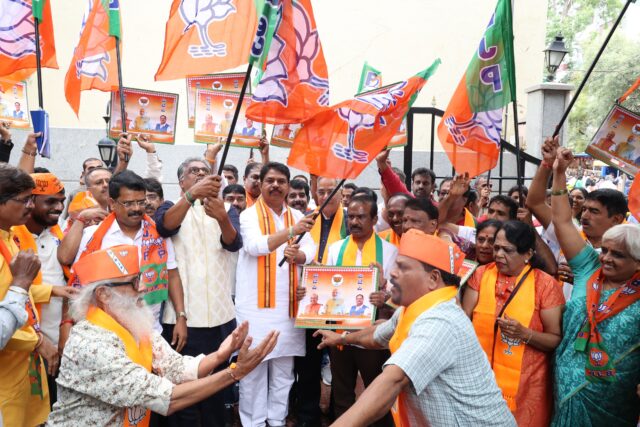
(283, 135)
(617, 141)
(151, 112)
(14, 104)
(229, 82)
(337, 297)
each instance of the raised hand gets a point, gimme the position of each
(124, 147)
(564, 157)
(249, 359)
(144, 141)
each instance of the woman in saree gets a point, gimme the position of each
(597, 364)
(516, 310)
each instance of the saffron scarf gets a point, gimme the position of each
(406, 319)
(599, 366)
(504, 354)
(141, 354)
(469, 219)
(268, 264)
(153, 258)
(35, 373)
(391, 237)
(25, 240)
(371, 251)
(336, 232)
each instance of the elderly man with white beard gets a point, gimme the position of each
(116, 369)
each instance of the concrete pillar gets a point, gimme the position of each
(546, 103)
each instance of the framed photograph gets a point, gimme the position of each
(466, 270)
(617, 141)
(229, 82)
(154, 113)
(214, 113)
(283, 135)
(400, 138)
(14, 107)
(337, 297)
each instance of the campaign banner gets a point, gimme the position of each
(214, 114)
(14, 107)
(617, 141)
(228, 82)
(283, 135)
(337, 297)
(150, 112)
(400, 138)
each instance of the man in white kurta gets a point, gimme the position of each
(264, 392)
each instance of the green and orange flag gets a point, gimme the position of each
(94, 64)
(341, 140)
(370, 78)
(472, 124)
(17, 38)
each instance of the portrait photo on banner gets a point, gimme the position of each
(13, 104)
(337, 297)
(617, 141)
(150, 112)
(400, 138)
(283, 135)
(214, 114)
(228, 82)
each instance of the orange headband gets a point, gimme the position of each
(112, 263)
(46, 184)
(431, 250)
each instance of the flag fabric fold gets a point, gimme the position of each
(205, 39)
(471, 126)
(295, 81)
(17, 38)
(94, 64)
(341, 140)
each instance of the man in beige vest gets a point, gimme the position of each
(205, 235)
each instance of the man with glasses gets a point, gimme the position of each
(128, 224)
(117, 369)
(205, 232)
(20, 363)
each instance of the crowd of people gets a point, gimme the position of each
(119, 307)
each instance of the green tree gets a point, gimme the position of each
(585, 24)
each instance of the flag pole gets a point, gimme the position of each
(36, 21)
(223, 159)
(315, 215)
(121, 92)
(590, 70)
(518, 156)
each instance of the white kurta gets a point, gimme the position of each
(263, 320)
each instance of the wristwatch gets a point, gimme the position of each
(182, 314)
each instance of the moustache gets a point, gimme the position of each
(136, 213)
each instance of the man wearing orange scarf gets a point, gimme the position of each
(116, 369)
(266, 293)
(438, 374)
(43, 235)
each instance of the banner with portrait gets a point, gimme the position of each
(228, 82)
(13, 104)
(617, 141)
(214, 114)
(150, 112)
(337, 297)
(283, 135)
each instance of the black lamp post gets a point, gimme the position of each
(553, 56)
(107, 146)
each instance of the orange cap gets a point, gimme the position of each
(46, 184)
(111, 263)
(83, 200)
(431, 250)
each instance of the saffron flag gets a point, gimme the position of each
(295, 82)
(341, 140)
(634, 197)
(204, 37)
(94, 64)
(471, 126)
(370, 78)
(18, 39)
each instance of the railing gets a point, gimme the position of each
(435, 112)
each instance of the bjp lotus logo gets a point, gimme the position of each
(598, 357)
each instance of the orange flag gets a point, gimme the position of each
(94, 65)
(295, 83)
(207, 39)
(341, 140)
(634, 197)
(17, 38)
